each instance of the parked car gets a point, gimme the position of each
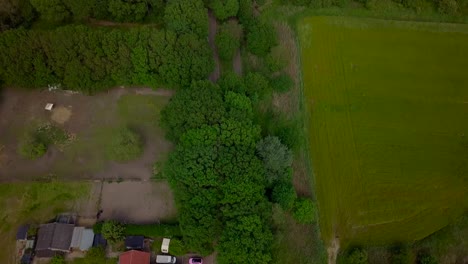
(195, 260)
(165, 259)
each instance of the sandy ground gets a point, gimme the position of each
(137, 202)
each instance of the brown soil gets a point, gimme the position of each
(61, 114)
(137, 202)
(19, 108)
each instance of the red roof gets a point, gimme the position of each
(134, 257)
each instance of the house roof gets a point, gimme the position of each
(134, 257)
(55, 236)
(87, 239)
(76, 238)
(99, 240)
(22, 233)
(134, 242)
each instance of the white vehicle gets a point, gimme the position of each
(165, 259)
(165, 245)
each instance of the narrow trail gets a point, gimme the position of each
(237, 63)
(213, 25)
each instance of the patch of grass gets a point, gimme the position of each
(33, 203)
(35, 142)
(387, 102)
(296, 243)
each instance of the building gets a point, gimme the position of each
(134, 257)
(82, 238)
(134, 242)
(54, 238)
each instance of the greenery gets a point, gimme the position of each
(224, 9)
(362, 125)
(261, 37)
(125, 145)
(357, 256)
(227, 43)
(187, 17)
(276, 157)
(34, 143)
(34, 203)
(95, 255)
(281, 83)
(217, 179)
(57, 259)
(112, 231)
(177, 247)
(93, 59)
(284, 194)
(179, 116)
(305, 211)
(426, 259)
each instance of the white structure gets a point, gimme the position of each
(49, 106)
(165, 245)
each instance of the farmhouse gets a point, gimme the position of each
(54, 238)
(134, 257)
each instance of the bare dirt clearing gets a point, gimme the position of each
(137, 202)
(91, 119)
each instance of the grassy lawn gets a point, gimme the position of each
(388, 138)
(33, 203)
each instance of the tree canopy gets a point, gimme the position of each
(92, 59)
(184, 16)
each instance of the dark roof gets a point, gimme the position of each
(45, 253)
(134, 242)
(26, 258)
(22, 233)
(99, 240)
(54, 236)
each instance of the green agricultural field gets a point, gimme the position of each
(388, 125)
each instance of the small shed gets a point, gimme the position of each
(54, 238)
(87, 239)
(99, 241)
(165, 245)
(22, 233)
(49, 107)
(134, 242)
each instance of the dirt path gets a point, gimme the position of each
(237, 63)
(333, 250)
(213, 25)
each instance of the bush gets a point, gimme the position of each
(125, 145)
(227, 44)
(357, 256)
(256, 86)
(112, 231)
(261, 38)
(400, 254)
(31, 148)
(284, 194)
(274, 62)
(426, 258)
(224, 9)
(57, 260)
(177, 248)
(35, 143)
(281, 83)
(276, 158)
(153, 230)
(304, 211)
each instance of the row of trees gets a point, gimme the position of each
(92, 59)
(218, 178)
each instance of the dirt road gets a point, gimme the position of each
(213, 25)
